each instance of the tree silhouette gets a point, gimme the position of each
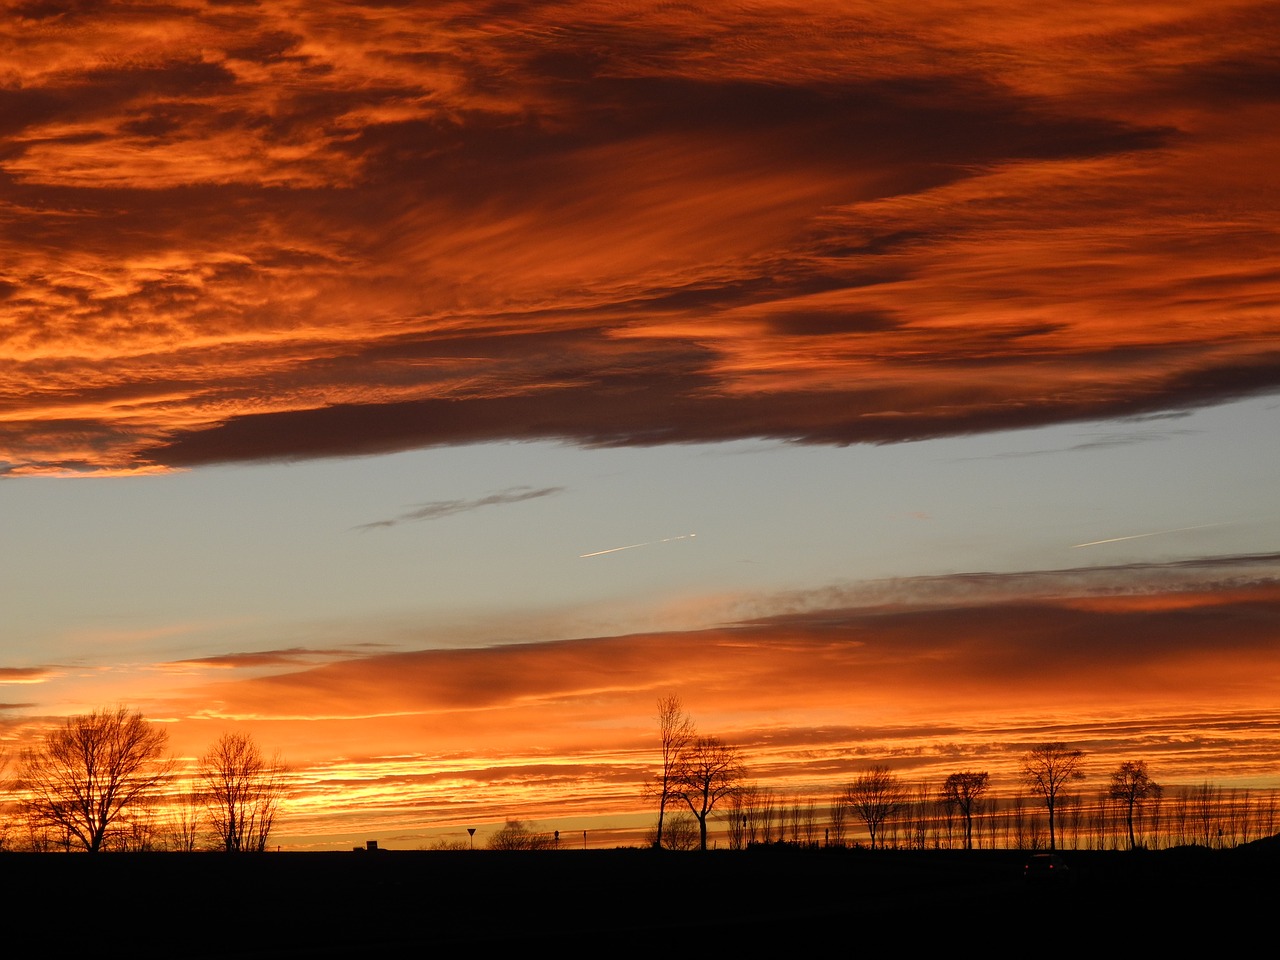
(839, 815)
(1131, 785)
(676, 731)
(680, 833)
(89, 774)
(1046, 769)
(708, 771)
(183, 830)
(518, 835)
(961, 791)
(242, 792)
(875, 796)
(5, 787)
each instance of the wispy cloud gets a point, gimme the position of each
(447, 508)
(1100, 442)
(26, 674)
(293, 656)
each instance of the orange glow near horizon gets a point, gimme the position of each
(563, 732)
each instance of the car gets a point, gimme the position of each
(1046, 868)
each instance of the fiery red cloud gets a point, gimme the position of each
(253, 232)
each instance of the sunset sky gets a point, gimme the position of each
(924, 358)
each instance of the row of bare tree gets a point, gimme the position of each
(95, 782)
(1131, 810)
(1204, 814)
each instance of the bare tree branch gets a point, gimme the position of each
(1131, 785)
(676, 731)
(1046, 769)
(962, 791)
(243, 791)
(708, 771)
(876, 796)
(92, 772)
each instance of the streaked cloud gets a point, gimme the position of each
(292, 656)
(26, 674)
(437, 509)
(274, 233)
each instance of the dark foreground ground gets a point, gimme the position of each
(618, 902)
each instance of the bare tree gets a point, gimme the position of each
(960, 792)
(183, 829)
(5, 787)
(876, 796)
(758, 807)
(136, 833)
(709, 771)
(1131, 786)
(1267, 814)
(1181, 807)
(681, 832)
(794, 815)
(676, 731)
(745, 804)
(518, 835)
(1156, 821)
(1243, 820)
(809, 822)
(242, 792)
(738, 817)
(839, 817)
(1046, 769)
(766, 813)
(90, 774)
(1070, 819)
(1019, 820)
(1205, 800)
(988, 811)
(449, 843)
(922, 815)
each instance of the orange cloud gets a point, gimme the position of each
(277, 233)
(26, 674)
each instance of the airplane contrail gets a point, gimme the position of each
(1139, 536)
(632, 546)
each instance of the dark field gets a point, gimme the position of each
(388, 903)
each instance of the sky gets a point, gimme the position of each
(427, 390)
